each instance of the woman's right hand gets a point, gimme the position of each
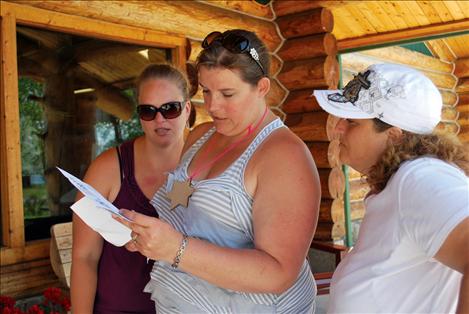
(151, 236)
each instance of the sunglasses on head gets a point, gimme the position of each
(169, 110)
(233, 43)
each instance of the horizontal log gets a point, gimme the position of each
(325, 214)
(357, 62)
(333, 154)
(410, 58)
(306, 23)
(275, 65)
(464, 134)
(449, 113)
(462, 68)
(450, 98)
(285, 7)
(299, 101)
(357, 210)
(337, 210)
(358, 189)
(332, 183)
(354, 174)
(463, 86)
(319, 150)
(188, 18)
(21, 279)
(463, 110)
(448, 127)
(313, 73)
(309, 126)
(277, 93)
(245, 7)
(329, 231)
(308, 47)
(324, 179)
(463, 99)
(336, 183)
(330, 128)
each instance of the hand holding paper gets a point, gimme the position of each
(92, 194)
(101, 221)
(96, 211)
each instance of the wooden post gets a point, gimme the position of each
(11, 191)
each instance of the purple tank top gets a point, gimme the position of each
(122, 275)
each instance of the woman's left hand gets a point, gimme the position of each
(152, 237)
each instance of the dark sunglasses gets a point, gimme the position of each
(169, 110)
(233, 43)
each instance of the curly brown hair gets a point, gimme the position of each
(443, 146)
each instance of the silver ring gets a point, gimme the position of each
(135, 237)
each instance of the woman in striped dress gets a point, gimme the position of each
(237, 216)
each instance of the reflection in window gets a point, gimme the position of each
(76, 100)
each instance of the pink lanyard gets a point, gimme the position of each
(228, 149)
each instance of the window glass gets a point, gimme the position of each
(76, 99)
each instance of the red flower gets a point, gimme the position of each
(53, 294)
(35, 309)
(66, 304)
(6, 302)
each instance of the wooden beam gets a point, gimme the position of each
(11, 179)
(462, 68)
(249, 7)
(401, 35)
(170, 19)
(32, 250)
(83, 26)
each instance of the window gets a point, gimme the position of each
(28, 121)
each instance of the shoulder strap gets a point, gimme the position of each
(120, 163)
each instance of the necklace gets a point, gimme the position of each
(182, 191)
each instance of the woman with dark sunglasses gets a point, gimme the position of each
(110, 279)
(238, 214)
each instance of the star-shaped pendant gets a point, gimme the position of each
(180, 193)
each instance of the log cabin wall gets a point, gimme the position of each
(440, 72)
(462, 73)
(309, 62)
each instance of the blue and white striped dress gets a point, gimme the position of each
(219, 212)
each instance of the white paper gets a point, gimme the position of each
(92, 194)
(100, 220)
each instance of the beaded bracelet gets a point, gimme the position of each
(180, 252)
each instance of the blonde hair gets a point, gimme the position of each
(439, 145)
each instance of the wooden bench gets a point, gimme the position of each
(61, 251)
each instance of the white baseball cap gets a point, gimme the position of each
(395, 94)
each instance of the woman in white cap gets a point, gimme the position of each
(412, 252)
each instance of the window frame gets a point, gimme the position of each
(14, 247)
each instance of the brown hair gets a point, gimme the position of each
(166, 72)
(217, 56)
(439, 145)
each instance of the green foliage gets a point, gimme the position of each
(32, 127)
